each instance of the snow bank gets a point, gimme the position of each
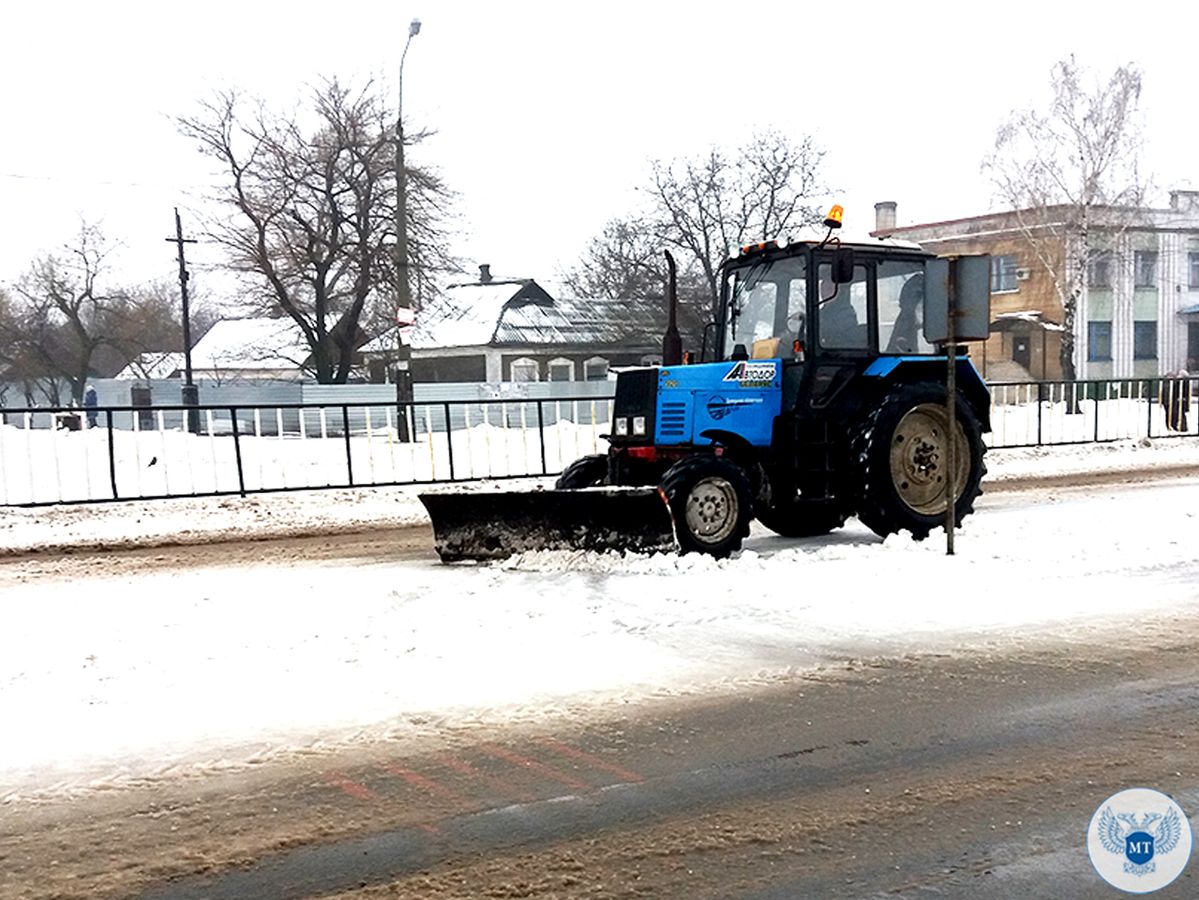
(307, 512)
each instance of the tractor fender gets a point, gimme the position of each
(911, 369)
(730, 439)
(746, 455)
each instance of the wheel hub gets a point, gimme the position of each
(918, 459)
(712, 510)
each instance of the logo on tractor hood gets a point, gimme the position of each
(752, 374)
(719, 407)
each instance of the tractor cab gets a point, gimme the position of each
(808, 301)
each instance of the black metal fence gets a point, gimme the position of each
(71, 455)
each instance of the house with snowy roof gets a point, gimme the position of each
(511, 329)
(153, 366)
(254, 348)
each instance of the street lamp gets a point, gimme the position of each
(404, 311)
(403, 287)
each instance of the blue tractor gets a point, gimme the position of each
(821, 399)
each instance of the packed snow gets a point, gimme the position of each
(134, 675)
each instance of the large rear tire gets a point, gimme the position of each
(587, 471)
(711, 502)
(900, 457)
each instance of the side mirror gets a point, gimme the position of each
(843, 265)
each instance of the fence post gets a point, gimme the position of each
(1096, 441)
(541, 437)
(1149, 404)
(345, 430)
(241, 475)
(112, 456)
(1040, 406)
(449, 438)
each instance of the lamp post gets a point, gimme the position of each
(404, 312)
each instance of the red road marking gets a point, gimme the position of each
(594, 761)
(351, 787)
(523, 761)
(505, 788)
(425, 784)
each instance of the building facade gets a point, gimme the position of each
(1137, 313)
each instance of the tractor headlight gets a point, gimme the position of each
(622, 426)
(639, 425)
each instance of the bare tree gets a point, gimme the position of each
(63, 316)
(1070, 173)
(311, 216)
(707, 206)
(66, 321)
(703, 208)
(625, 262)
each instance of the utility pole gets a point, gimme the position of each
(191, 394)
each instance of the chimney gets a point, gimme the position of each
(884, 216)
(484, 273)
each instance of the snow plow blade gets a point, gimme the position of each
(497, 524)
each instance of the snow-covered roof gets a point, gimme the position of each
(583, 321)
(476, 312)
(152, 366)
(1031, 316)
(848, 236)
(251, 344)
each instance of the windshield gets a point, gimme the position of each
(766, 303)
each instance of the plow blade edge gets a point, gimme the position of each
(497, 524)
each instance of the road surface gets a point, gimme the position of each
(918, 775)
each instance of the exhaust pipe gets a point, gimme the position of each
(672, 343)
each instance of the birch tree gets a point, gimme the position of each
(1072, 172)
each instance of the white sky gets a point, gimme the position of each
(547, 113)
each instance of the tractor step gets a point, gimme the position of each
(495, 524)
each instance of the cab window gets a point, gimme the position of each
(843, 322)
(901, 307)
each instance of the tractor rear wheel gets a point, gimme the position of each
(587, 471)
(795, 518)
(900, 455)
(711, 502)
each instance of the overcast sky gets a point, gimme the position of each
(548, 113)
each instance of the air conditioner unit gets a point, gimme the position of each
(1023, 274)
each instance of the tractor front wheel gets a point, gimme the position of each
(901, 457)
(711, 502)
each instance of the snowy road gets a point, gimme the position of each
(211, 713)
(174, 671)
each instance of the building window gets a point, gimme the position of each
(595, 369)
(1003, 274)
(1193, 258)
(1099, 269)
(1146, 268)
(525, 369)
(1099, 341)
(1144, 340)
(561, 369)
